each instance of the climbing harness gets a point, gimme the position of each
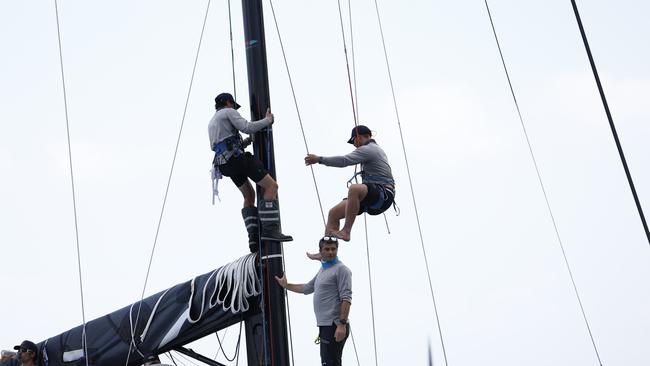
(229, 147)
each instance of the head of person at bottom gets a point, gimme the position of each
(27, 353)
(360, 136)
(328, 248)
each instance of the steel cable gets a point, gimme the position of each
(541, 184)
(408, 170)
(171, 171)
(74, 199)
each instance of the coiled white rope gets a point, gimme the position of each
(237, 281)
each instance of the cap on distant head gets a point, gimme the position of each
(27, 345)
(357, 131)
(221, 99)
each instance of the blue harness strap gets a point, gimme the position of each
(224, 150)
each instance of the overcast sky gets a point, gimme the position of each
(503, 291)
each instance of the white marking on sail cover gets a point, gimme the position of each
(175, 329)
(73, 355)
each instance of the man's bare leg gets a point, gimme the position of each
(248, 192)
(334, 217)
(270, 187)
(356, 194)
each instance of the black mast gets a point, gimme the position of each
(266, 332)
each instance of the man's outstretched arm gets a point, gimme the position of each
(358, 156)
(282, 281)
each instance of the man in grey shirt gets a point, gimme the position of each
(233, 162)
(374, 195)
(332, 289)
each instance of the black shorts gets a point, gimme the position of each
(378, 199)
(242, 167)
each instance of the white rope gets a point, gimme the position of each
(237, 280)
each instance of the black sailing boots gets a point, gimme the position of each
(250, 220)
(270, 220)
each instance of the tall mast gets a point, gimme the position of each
(266, 332)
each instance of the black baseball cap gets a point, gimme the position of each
(221, 99)
(359, 130)
(28, 345)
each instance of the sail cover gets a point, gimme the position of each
(168, 319)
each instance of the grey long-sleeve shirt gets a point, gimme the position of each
(330, 287)
(373, 160)
(228, 122)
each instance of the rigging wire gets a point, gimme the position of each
(186, 358)
(354, 345)
(225, 333)
(372, 302)
(230, 359)
(353, 96)
(304, 137)
(354, 64)
(347, 65)
(611, 121)
(171, 171)
(232, 53)
(169, 354)
(74, 199)
(295, 102)
(541, 184)
(408, 170)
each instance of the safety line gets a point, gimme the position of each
(354, 64)
(171, 171)
(541, 184)
(611, 122)
(347, 65)
(354, 345)
(74, 198)
(295, 102)
(232, 53)
(353, 96)
(408, 170)
(372, 302)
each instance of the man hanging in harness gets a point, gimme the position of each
(376, 192)
(233, 162)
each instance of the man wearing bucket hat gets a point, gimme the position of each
(27, 353)
(374, 195)
(231, 160)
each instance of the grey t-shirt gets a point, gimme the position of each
(372, 158)
(330, 287)
(227, 122)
